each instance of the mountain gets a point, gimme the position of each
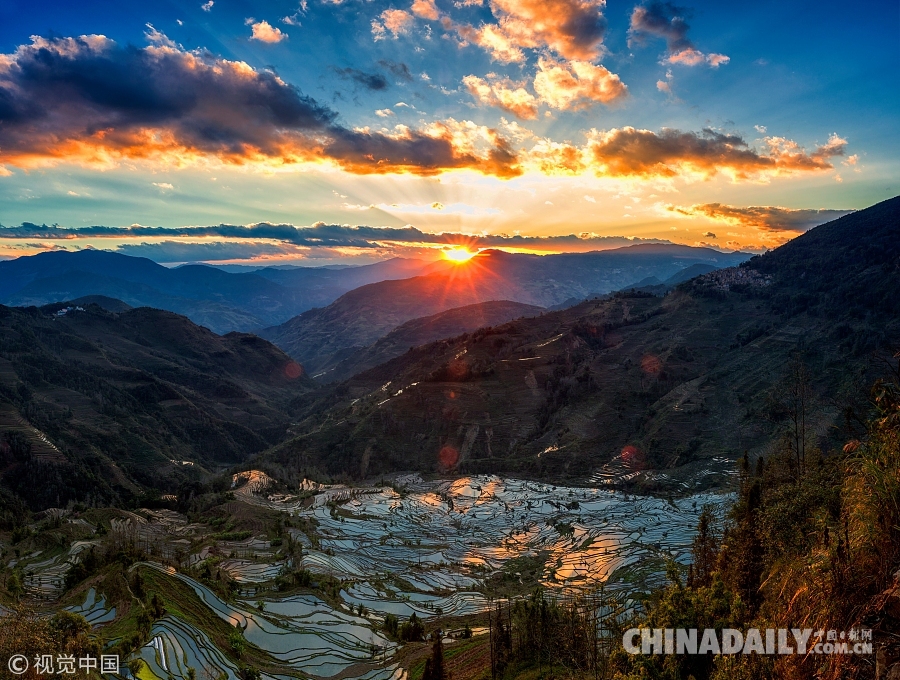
(634, 387)
(220, 300)
(95, 405)
(427, 329)
(107, 303)
(320, 338)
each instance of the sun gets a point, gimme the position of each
(458, 255)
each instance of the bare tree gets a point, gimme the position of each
(795, 399)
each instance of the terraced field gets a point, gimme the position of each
(440, 549)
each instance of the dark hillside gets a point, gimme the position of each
(94, 404)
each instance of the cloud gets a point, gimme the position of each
(371, 81)
(504, 94)
(666, 85)
(426, 9)
(566, 86)
(632, 152)
(265, 32)
(767, 218)
(165, 186)
(709, 234)
(397, 69)
(91, 101)
(207, 6)
(574, 29)
(384, 113)
(693, 57)
(319, 235)
(397, 21)
(576, 85)
(668, 21)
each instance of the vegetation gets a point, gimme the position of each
(806, 546)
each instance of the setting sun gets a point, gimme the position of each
(458, 255)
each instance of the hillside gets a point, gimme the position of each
(321, 337)
(428, 329)
(632, 383)
(96, 404)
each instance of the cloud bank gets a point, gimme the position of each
(94, 102)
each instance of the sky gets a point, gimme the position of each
(348, 131)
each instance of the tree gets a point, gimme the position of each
(705, 550)
(795, 404)
(434, 665)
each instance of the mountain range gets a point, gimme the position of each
(446, 371)
(252, 300)
(319, 338)
(219, 300)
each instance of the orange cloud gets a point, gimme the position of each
(426, 9)
(574, 29)
(767, 218)
(628, 151)
(692, 57)
(397, 21)
(576, 85)
(504, 94)
(264, 32)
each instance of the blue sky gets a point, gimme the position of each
(729, 124)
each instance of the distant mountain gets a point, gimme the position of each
(689, 272)
(636, 388)
(107, 303)
(320, 338)
(220, 300)
(654, 286)
(96, 405)
(417, 332)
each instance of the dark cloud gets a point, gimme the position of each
(397, 69)
(371, 81)
(667, 21)
(319, 235)
(660, 20)
(91, 100)
(65, 90)
(766, 217)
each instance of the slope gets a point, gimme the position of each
(98, 403)
(417, 332)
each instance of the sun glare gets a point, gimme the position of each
(458, 255)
